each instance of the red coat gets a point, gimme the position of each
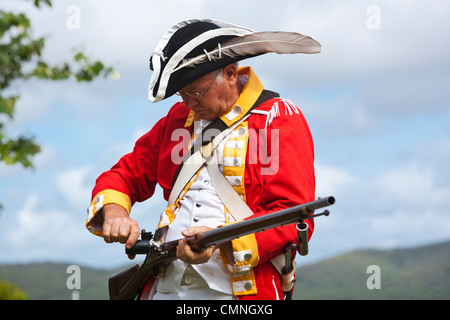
(287, 180)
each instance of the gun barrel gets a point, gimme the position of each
(257, 224)
(264, 222)
(320, 203)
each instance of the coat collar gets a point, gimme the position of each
(246, 100)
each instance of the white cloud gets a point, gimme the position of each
(404, 206)
(42, 226)
(339, 115)
(72, 185)
(406, 37)
(412, 185)
(48, 158)
(410, 228)
(40, 230)
(333, 180)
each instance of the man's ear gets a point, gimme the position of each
(230, 74)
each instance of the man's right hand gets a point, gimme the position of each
(118, 226)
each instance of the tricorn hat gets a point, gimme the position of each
(193, 48)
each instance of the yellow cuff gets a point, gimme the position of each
(93, 223)
(245, 251)
(245, 256)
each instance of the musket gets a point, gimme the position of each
(129, 283)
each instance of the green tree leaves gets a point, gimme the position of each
(20, 60)
(9, 291)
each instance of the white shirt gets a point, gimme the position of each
(201, 206)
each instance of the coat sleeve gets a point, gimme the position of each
(132, 179)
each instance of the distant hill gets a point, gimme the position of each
(419, 273)
(47, 281)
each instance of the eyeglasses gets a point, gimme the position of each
(197, 95)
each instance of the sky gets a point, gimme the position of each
(374, 98)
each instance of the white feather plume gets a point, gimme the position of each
(255, 44)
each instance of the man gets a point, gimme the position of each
(267, 158)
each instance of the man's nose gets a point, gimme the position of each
(190, 102)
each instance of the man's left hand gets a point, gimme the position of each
(185, 252)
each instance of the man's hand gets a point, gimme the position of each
(119, 227)
(185, 253)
